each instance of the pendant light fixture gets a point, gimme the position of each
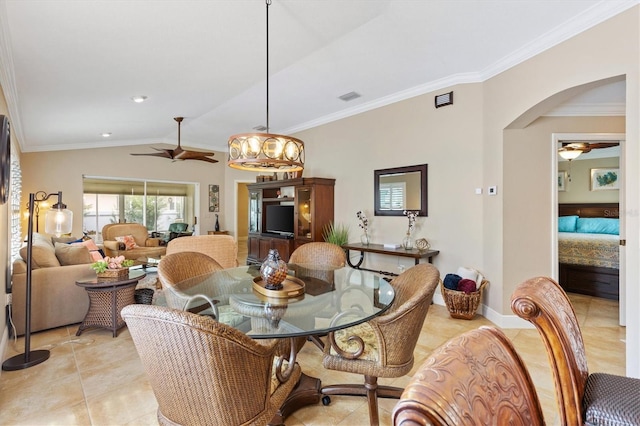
(266, 151)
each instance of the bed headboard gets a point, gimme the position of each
(589, 209)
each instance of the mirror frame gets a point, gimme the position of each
(422, 168)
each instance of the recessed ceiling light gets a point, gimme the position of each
(106, 134)
(139, 99)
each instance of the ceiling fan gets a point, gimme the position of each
(181, 154)
(571, 150)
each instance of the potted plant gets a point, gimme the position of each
(337, 234)
(112, 267)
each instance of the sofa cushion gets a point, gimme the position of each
(72, 255)
(128, 240)
(43, 254)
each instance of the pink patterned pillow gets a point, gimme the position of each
(94, 250)
(128, 240)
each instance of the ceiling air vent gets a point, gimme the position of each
(444, 100)
(349, 96)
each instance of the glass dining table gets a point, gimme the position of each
(316, 300)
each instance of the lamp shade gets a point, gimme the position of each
(569, 154)
(266, 152)
(58, 221)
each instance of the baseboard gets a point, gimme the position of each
(502, 321)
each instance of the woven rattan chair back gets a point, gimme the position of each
(175, 270)
(476, 378)
(597, 398)
(319, 253)
(395, 335)
(203, 372)
(222, 248)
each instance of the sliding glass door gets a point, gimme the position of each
(155, 204)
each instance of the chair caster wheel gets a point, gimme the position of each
(326, 400)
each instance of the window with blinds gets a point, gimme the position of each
(154, 204)
(393, 196)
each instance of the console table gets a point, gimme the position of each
(381, 249)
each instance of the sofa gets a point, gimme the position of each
(56, 300)
(132, 241)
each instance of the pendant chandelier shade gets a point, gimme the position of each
(266, 151)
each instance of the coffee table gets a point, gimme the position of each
(106, 300)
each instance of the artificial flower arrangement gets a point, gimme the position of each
(118, 262)
(364, 222)
(411, 215)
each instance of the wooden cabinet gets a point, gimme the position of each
(312, 200)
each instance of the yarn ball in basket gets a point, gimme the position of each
(467, 285)
(451, 281)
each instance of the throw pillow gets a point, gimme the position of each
(94, 250)
(128, 240)
(42, 254)
(70, 255)
(65, 239)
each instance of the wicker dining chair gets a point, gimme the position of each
(476, 378)
(319, 253)
(383, 346)
(582, 398)
(222, 248)
(203, 372)
(174, 273)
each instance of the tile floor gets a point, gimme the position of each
(95, 379)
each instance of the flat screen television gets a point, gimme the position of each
(279, 219)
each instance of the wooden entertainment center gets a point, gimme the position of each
(312, 201)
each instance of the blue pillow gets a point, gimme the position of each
(598, 225)
(567, 223)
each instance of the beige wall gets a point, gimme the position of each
(578, 190)
(407, 133)
(63, 171)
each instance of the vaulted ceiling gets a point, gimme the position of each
(69, 69)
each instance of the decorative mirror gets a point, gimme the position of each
(399, 189)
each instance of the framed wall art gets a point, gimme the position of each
(214, 198)
(562, 181)
(605, 179)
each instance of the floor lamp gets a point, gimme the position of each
(58, 221)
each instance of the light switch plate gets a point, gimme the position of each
(493, 190)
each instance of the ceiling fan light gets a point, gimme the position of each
(569, 154)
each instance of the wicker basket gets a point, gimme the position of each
(114, 274)
(143, 296)
(462, 305)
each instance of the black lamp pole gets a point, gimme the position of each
(30, 358)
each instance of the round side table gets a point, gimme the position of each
(107, 297)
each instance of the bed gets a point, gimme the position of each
(588, 249)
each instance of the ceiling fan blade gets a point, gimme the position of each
(207, 159)
(193, 155)
(185, 154)
(599, 145)
(163, 154)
